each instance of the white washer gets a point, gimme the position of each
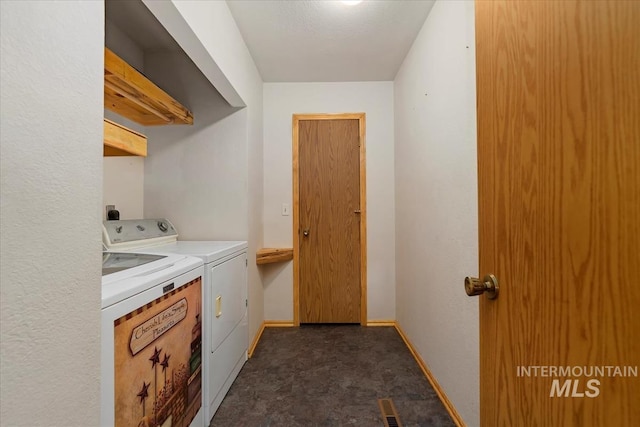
(151, 340)
(226, 335)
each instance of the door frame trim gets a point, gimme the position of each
(296, 209)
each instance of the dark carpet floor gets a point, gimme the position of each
(330, 376)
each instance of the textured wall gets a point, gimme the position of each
(436, 201)
(281, 101)
(196, 175)
(208, 33)
(123, 185)
(51, 168)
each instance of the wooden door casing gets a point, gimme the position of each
(329, 263)
(559, 206)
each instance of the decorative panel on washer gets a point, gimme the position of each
(158, 355)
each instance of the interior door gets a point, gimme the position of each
(329, 221)
(559, 211)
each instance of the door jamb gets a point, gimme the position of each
(296, 210)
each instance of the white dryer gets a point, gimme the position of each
(225, 300)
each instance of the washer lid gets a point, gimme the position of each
(112, 262)
(130, 281)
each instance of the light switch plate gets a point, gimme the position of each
(286, 208)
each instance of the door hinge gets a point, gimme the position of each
(246, 303)
(246, 262)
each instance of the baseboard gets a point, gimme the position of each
(381, 323)
(278, 323)
(254, 343)
(432, 380)
(267, 324)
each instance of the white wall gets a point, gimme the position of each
(436, 201)
(123, 177)
(207, 32)
(123, 185)
(197, 175)
(281, 101)
(51, 168)
(217, 30)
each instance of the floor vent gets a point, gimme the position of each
(389, 413)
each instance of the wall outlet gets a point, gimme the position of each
(286, 208)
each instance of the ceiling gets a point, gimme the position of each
(327, 40)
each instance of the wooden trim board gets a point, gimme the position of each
(381, 323)
(296, 209)
(278, 324)
(254, 343)
(296, 222)
(131, 94)
(271, 255)
(432, 380)
(119, 140)
(363, 222)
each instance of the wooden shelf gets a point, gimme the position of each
(129, 93)
(122, 141)
(271, 255)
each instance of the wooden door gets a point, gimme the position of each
(558, 91)
(328, 218)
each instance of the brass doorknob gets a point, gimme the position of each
(305, 233)
(473, 286)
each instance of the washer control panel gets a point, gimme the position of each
(137, 232)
